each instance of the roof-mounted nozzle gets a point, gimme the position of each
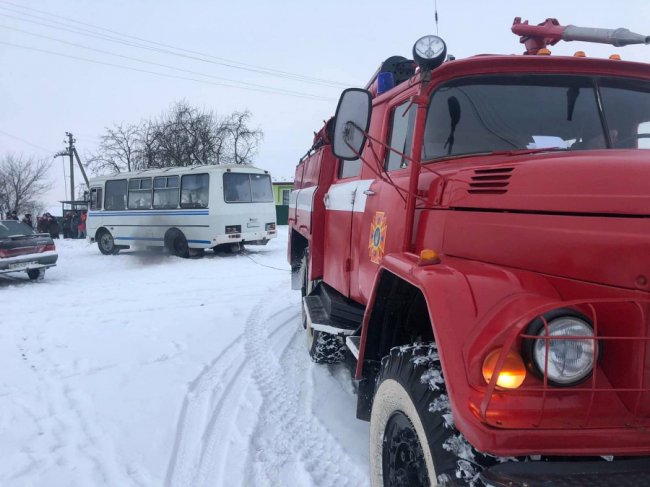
(548, 33)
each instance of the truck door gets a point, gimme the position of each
(339, 209)
(380, 226)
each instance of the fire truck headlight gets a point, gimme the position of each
(564, 354)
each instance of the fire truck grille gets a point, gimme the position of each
(615, 395)
(490, 181)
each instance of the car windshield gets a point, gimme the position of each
(10, 228)
(524, 112)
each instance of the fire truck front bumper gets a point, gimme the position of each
(620, 473)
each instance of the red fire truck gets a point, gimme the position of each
(475, 235)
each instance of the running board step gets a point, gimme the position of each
(352, 342)
(330, 312)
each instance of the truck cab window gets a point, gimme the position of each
(349, 169)
(400, 135)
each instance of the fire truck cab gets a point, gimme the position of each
(474, 236)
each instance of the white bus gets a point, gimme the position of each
(183, 209)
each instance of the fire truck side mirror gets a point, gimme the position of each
(351, 123)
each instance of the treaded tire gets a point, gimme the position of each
(412, 437)
(177, 244)
(106, 244)
(324, 348)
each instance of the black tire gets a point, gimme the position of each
(106, 243)
(34, 274)
(176, 243)
(413, 441)
(323, 348)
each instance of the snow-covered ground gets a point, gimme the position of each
(144, 369)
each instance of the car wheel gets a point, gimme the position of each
(34, 274)
(323, 348)
(176, 243)
(106, 243)
(413, 440)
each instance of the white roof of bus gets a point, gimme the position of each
(174, 170)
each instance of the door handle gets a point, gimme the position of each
(369, 192)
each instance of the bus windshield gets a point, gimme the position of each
(247, 188)
(498, 113)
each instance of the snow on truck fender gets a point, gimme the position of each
(484, 269)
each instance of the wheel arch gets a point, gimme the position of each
(295, 251)
(464, 305)
(101, 230)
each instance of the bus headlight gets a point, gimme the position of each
(269, 227)
(570, 360)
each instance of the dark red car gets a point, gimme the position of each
(24, 250)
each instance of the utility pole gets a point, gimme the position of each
(71, 151)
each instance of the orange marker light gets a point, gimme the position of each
(580, 54)
(615, 57)
(544, 52)
(512, 373)
(428, 256)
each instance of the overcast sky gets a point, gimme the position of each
(335, 44)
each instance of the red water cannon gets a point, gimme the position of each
(548, 33)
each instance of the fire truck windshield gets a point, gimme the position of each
(523, 112)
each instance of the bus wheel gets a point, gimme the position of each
(176, 242)
(413, 440)
(106, 243)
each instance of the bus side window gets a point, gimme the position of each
(96, 198)
(194, 190)
(139, 193)
(115, 195)
(165, 192)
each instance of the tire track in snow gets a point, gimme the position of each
(286, 430)
(207, 425)
(198, 404)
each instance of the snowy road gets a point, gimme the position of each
(148, 370)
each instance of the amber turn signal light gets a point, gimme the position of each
(512, 373)
(428, 256)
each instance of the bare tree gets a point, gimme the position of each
(243, 139)
(182, 136)
(22, 181)
(117, 150)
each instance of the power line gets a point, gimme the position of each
(25, 141)
(131, 68)
(205, 57)
(144, 61)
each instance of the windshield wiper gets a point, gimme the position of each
(518, 152)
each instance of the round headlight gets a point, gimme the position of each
(570, 360)
(429, 52)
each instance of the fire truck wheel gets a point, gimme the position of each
(325, 348)
(413, 441)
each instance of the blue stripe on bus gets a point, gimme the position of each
(150, 213)
(139, 238)
(207, 242)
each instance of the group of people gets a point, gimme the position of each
(73, 225)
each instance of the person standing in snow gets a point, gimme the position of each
(81, 228)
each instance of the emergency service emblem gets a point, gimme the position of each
(377, 242)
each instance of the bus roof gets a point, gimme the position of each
(176, 170)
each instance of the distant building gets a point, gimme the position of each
(281, 191)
